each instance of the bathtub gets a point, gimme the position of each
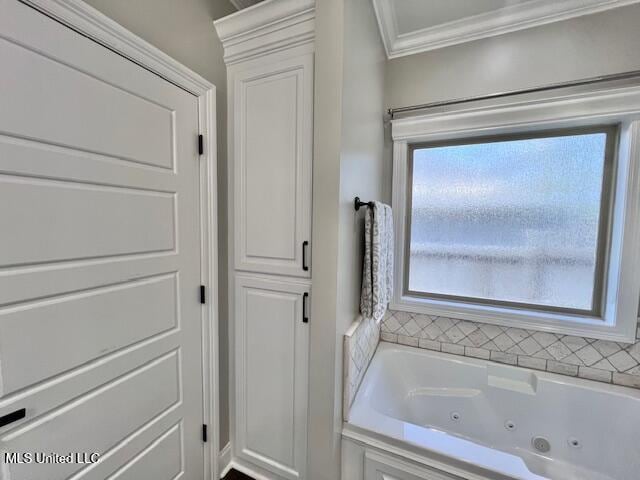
(500, 420)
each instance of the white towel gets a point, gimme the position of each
(377, 269)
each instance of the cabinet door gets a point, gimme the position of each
(273, 117)
(384, 467)
(272, 350)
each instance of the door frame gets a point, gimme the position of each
(96, 26)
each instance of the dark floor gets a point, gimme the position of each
(235, 475)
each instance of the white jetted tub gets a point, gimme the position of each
(517, 423)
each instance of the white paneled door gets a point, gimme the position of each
(272, 360)
(100, 319)
(273, 159)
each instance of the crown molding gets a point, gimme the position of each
(489, 24)
(266, 27)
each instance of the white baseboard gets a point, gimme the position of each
(227, 463)
(224, 460)
(254, 472)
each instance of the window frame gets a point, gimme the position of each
(603, 234)
(616, 106)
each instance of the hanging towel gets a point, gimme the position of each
(377, 269)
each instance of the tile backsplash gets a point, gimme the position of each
(360, 344)
(599, 360)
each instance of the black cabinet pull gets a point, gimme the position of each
(305, 267)
(305, 319)
(13, 417)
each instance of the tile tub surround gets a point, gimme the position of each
(598, 360)
(360, 344)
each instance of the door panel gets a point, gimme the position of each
(100, 321)
(161, 460)
(130, 221)
(111, 413)
(270, 163)
(384, 467)
(50, 85)
(271, 374)
(273, 131)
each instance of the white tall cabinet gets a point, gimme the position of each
(269, 52)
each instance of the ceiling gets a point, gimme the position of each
(413, 26)
(240, 4)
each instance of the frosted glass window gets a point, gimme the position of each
(517, 220)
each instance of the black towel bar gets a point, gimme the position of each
(357, 203)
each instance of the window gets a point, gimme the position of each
(524, 213)
(518, 220)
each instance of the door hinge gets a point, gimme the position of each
(202, 294)
(204, 433)
(200, 144)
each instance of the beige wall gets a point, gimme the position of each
(348, 161)
(582, 47)
(323, 441)
(362, 162)
(184, 30)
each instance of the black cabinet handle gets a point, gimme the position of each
(305, 319)
(305, 267)
(13, 417)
